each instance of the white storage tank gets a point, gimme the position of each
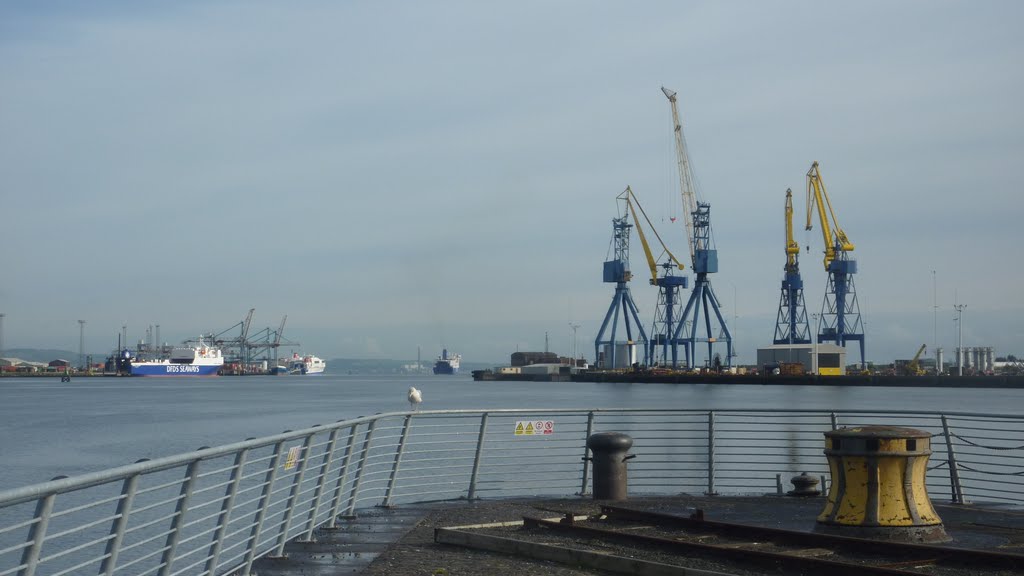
(625, 355)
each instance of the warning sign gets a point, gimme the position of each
(534, 427)
(293, 457)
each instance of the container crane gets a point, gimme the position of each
(791, 325)
(663, 343)
(616, 354)
(703, 258)
(840, 314)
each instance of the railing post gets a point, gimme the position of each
(835, 421)
(586, 454)
(36, 535)
(261, 509)
(179, 518)
(954, 470)
(225, 512)
(320, 483)
(393, 479)
(362, 466)
(117, 529)
(478, 457)
(289, 507)
(342, 476)
(711, 455)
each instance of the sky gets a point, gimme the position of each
(397, 177)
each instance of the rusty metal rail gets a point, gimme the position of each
(911, 552)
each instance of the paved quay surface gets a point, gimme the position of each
(400, 540)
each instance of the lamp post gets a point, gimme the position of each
(574, 350)
(814, 354)
(735, 353)
(81, 344)
(935, 325)
(960, 338)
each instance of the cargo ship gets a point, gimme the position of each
(447, 364)
(306, 365)
(198, 360)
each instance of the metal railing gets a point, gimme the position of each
(217, 510)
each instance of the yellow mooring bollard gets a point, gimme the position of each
(878, 485)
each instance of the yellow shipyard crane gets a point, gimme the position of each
(664, 346)
(840, 320)
(791, 325)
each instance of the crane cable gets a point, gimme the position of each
(651, 226)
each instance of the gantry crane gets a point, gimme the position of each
(791, 325)
(703, 258)
(840, 314)
(663, 343)
(617, 271)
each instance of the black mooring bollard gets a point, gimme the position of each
(609, 458)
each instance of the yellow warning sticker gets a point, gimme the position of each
(293, 457)
(535, 427)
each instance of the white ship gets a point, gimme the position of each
(199, 360)
(447, 363)
(306, 365)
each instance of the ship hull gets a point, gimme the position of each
(447, 363)
(168, 369)
(306, 366)
(445, 368)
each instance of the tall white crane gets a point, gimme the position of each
(695, 325)
(686, 184)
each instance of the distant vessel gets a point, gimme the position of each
(198, 360)
(447, 364)
(306, 365)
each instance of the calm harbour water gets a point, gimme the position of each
(50, 428)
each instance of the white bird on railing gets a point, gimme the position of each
(415, 397)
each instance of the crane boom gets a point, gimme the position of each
(792, 248)
(835, 238)
(840, 313)
(280, 330)
(686, 187)
(630, 198)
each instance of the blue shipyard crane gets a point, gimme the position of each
(617, 270)
(791, 325)
(840, 314)
(663, 343)
(703, 258)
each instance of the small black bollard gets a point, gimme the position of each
(609, 458)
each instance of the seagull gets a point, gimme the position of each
(415, 397)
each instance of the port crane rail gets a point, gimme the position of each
(840, 320)
(665, 319)
(791, 326)
(703, 257)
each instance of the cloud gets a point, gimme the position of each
(445, 174)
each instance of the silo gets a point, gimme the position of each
(939, 366)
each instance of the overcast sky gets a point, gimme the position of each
(394, 175)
